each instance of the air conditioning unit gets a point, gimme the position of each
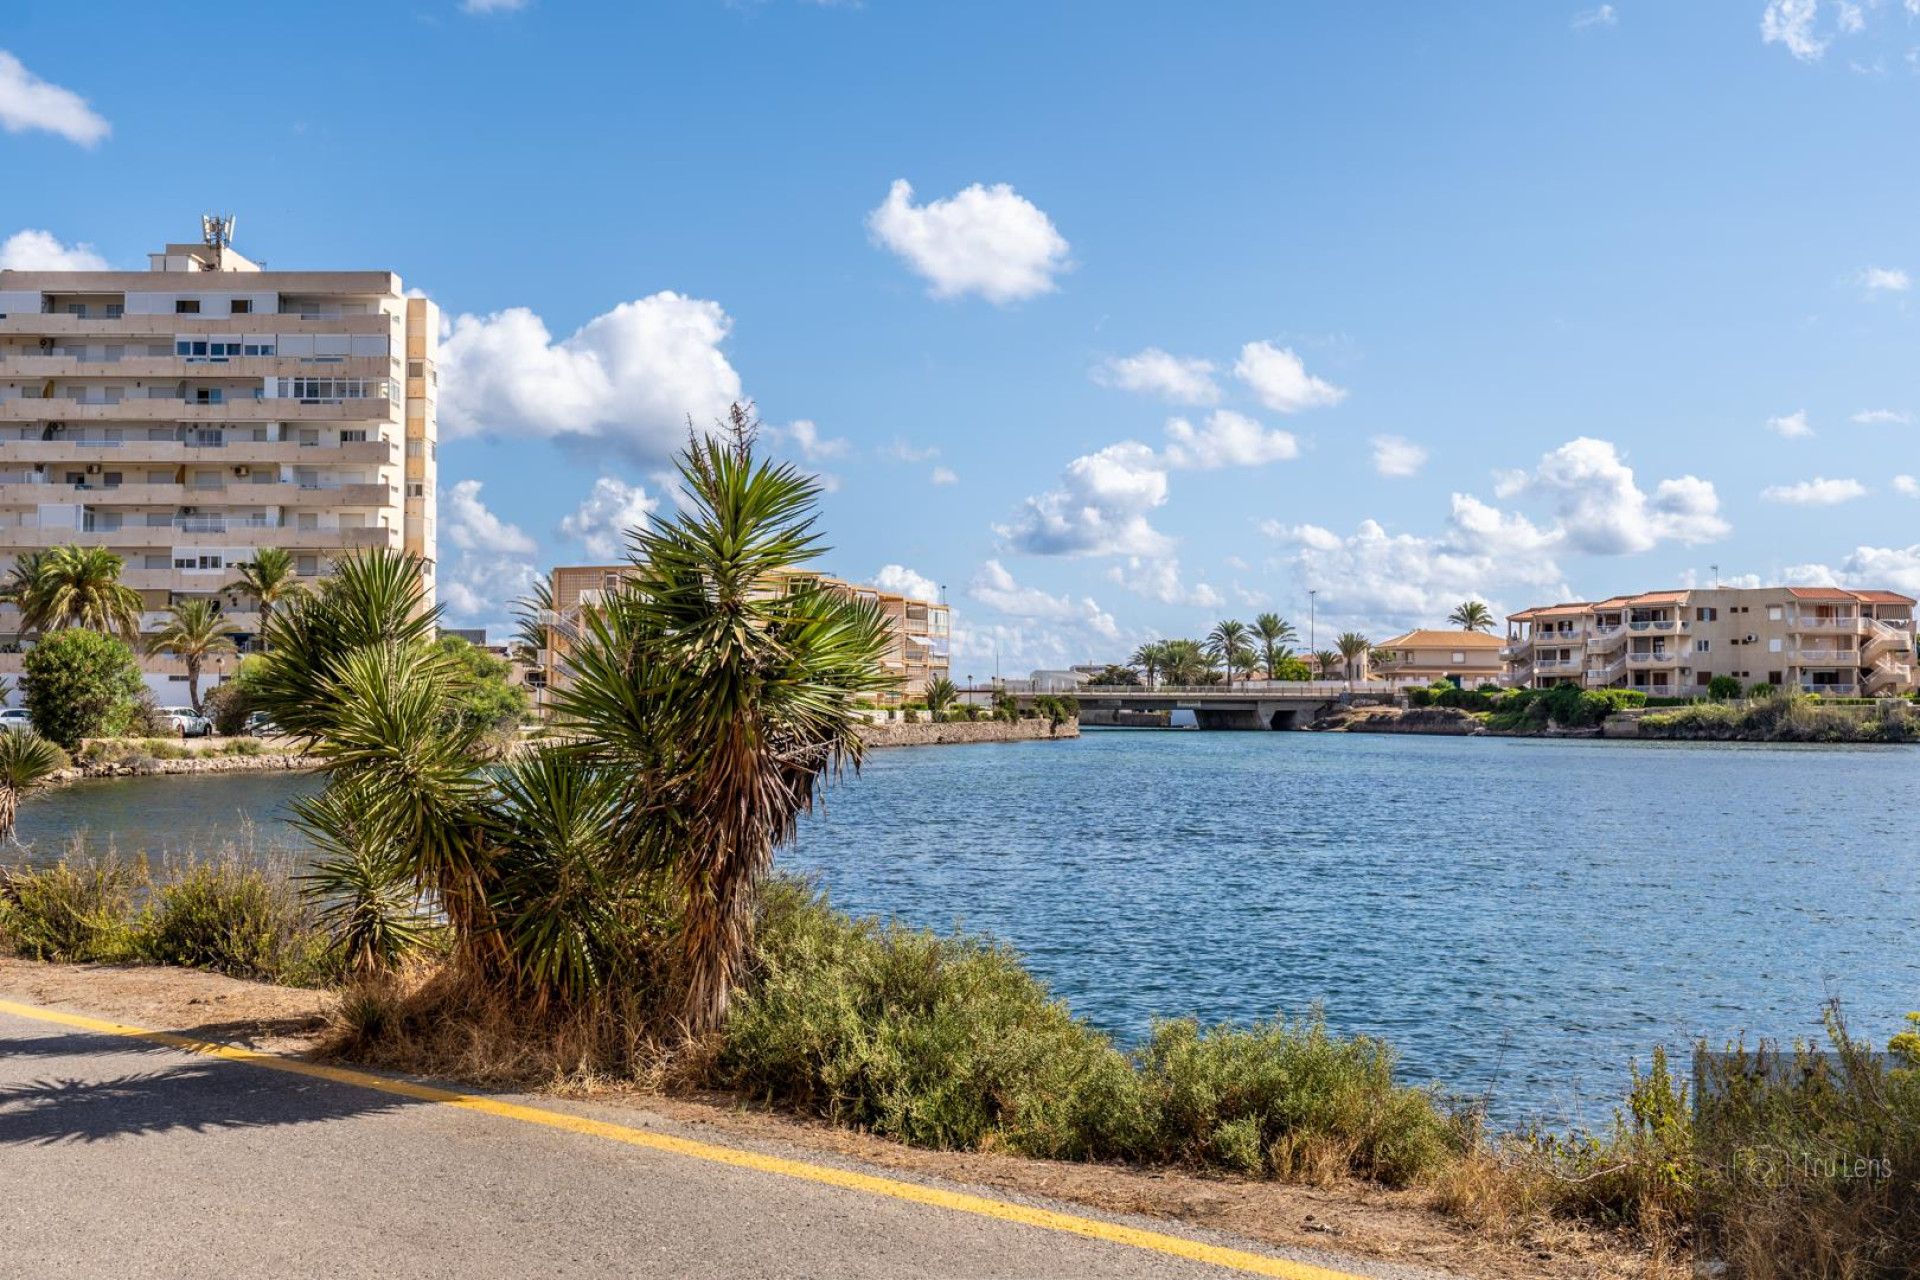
(241, 471)
(1753, 639)
(189, 511)
(93, 468)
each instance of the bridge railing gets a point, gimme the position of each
(1244, 688)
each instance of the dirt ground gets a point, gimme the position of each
(1368, 1221)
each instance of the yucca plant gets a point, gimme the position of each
(368, 904)
(27, 763)
(941, 694)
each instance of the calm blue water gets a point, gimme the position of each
(1520, 917)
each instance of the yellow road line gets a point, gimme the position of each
(912, 1192)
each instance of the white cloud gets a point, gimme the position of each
(984, 240)
(1883, 417)
(981, 649)
(1791, 425)
(1790, 23)
(40, 251)
(1159, 578)
(470, 526)
(610, 510)
(1281, 380)
(1867, 569)
(1179, 379)
(1603, 511)
(901, 580)
(1397, 457)
(28, 102)
(1817, 492)
(1590, 19)
(1907, 486)
(492, 6)
(1229, 440)
(905, 452)
(1852, 19)
(1099, 508)
(633, 377)
(945, 475)
(806, 438)
(1886, 280)
(995, 587)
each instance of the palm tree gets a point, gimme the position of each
(1246, 660)
(532, 617)
(80, 587)
(1151, 658)
(1225, 642)
(27, 761)
(1353, 651)
(1275, 634)
(20, 579)
(1183, 661)
(1326, 661)
(1472, 615)
(270, 578)
(940, 695)
(196, 632)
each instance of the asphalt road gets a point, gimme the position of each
(120, 1158)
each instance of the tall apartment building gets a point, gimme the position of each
(188, 415)
(919, 647)
(1825, 640)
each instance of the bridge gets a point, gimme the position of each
(1254, 704)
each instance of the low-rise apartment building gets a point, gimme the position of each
(1465, 658)
(1827, 640)
(186, 416)
(919, 649)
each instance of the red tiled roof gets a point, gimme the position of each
(1821, 593)
(1659, 597)
(1883, 597)
(1422, 639)
(1550, 611)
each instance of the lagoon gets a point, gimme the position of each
(1520, 917)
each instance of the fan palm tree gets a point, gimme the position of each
(1183, 661)
(271, 578)
(1151, 658)
(27, 761)
(1353, 652)
(20, 579)
(77, 586)
(1275, 634)
(1471, 615)
(1225, 642)
(195, 633)
(1245, 660)
(1326, 662)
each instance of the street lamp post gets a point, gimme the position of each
(1313, 641)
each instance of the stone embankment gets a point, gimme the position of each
(147, 766)
(898, 733)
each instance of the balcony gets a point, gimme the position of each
(1827, 657)
(1515, 648)
(1831, 626)
(172, 368)
(175, 452)
(177, 409)
(1656, 625)
(1601, 639)
(1607, 674)
(38, 324)
(1830, 690)
(1655, 658)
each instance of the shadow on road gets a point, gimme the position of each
(195, 1096)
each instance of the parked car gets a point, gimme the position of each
(15, 720)
(261, 726)
(186, 722)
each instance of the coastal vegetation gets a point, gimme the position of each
(194, 632)
(1232, 650)
(80, 683)
(27, 763)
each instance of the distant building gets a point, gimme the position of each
(1466, 658)
(1826, 640)
(920, 632)
(188, 415)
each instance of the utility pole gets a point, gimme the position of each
(1313, 643)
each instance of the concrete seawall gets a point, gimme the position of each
(898, 733)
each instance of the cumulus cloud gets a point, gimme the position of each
(492, 6)
(28, 102)
(1099, 508)
(1867, 569)
(631, 378)
(1817, 492)
(1790, 23)
(1159, 578)
(1906, 486)
(806, 438)
(1179, 379)
(984, 240)
(470, 526)
(1886, 280)
(1280, 379)
(1602, 510)
(1791, 425)
(1592, 19)
(905, 452)
(1229, 439)
(945, 475)
(996, 588)
(1882, 418)
(1397, 457)
(40, 251)
(611, 509)
(901, 580)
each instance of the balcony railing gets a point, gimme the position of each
(1654, 657)
(1830, 690)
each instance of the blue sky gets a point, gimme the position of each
(1185, 310)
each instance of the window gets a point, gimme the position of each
(416, 489)
(242, 306)
(353, 437)
(186, 306)
(1773, 645)
(1705, 677)
(115, 310)
(1706, 615)
(416, 368)
(1773, 613)
(1773, 677)
(1459, 657)
(1702, 646)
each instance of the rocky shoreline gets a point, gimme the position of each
(147, 766)
(898, 733)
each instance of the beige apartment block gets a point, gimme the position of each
(919, 632)
(188, 415)
(1825, 640)
(1466, 658)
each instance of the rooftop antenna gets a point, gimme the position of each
(217, 231)
(1716, 576)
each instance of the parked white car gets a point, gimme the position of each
(187, 722)
(15, 720)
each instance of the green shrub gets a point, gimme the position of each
(485, 699)
(244, 747)
(80, 684)
(79, 910)
(1762, 689)
(1723, 688)
(236, 917)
